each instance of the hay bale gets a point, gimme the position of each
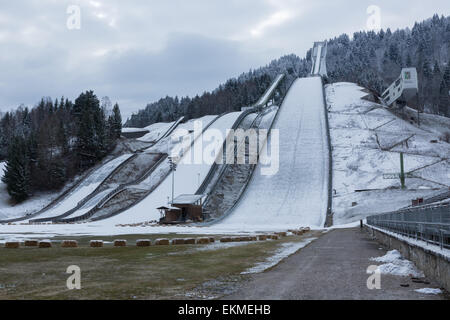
(12, 245)
(236, 239)
(45, 244)
(120, 243)
(96, 243)
(189, 241)
(162, 242)
(178, 241)
(212, 239)
(225, 239)
(143, 243)
(253, 238)
(262, 237)
(202, 241)
(31, 243)
(281, 234)
(274, 237)
(69, 244)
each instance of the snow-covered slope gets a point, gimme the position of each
(85, 188)
(35, 203)
(297, 195)
(188, 177)
(365, 138)
(162, 146)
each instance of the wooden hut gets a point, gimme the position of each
(185, 208)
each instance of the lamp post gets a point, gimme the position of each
(173, 167)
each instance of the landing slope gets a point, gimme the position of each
(297, 195)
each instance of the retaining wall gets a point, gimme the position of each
(434, 265)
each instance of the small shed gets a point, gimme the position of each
(185, 208)
(169, 214)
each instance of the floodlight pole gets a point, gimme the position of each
(173, 167)
(402, 171)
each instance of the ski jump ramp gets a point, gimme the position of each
(298, 194)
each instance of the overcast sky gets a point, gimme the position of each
(136, 51)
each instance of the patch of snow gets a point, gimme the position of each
(155, 131)
(395, 264)
(429, 291)
(286, 250)
(131, 130)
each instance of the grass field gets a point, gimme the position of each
(156, 272)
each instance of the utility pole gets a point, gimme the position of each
(402, 171)
(402, 175)
(418, 109)
(173, 167)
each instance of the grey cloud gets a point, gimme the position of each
(174, 47)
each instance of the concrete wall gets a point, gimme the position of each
(435, 266)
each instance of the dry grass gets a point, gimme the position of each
(156, 272)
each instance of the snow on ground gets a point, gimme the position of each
(429, 291)
(394, 264)
(155, 131)
(168, 143)
(188, 178)
(297, 194)
(85, 188)
(286, 250)
(131, 130)
(33, 204)
(362, 134)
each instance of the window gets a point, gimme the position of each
(407, 75)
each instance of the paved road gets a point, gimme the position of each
(332, 267)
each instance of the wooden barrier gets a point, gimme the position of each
(96, 243)
(120, 243)
(212, 239)
(189, 241)
(202, 241)
(31, 243)
(281, 234)
(143, 243)
(262, 237)
(225, 239)
(69, 244)
(236, 239)
(162, 242)
(12, 245)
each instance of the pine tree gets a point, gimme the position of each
(117, 121)
(17, 173)
(444, 97)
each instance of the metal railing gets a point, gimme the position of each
(329, 215)
(427, 223)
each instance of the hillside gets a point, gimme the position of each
(372, 60)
